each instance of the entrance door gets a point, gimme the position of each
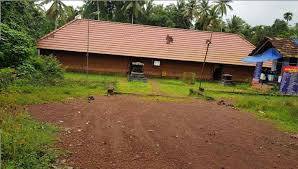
(133, 59)
(218, 73)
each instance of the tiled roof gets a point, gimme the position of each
(147, 41)
(287, 47)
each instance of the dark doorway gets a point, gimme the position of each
(218, 72)
(132, 60)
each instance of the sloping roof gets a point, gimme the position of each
(287, 47)
(147, 41)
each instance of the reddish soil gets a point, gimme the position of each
(128, 132)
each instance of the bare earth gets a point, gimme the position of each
(129, 132)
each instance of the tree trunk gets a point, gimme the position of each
(97, 3)
(221, 23)
(132, 14)
(56, 22)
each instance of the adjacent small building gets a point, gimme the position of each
(283, 53)
(165, 52)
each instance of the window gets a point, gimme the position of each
(156, 63)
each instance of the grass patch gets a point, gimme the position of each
(282, 110)
(25, 142)
(133, 87)
(173, 87)
(74, 86)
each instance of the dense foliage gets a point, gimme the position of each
(25, 16)
(6, 78)
(59, 13)
(36, 71)
(40, 70)
(15, 47)
(24, 142)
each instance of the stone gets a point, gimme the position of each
(295, 136)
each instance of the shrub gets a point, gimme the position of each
(7, 76)
(15, 47)
(41, 70)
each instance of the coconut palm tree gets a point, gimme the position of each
(203, 15)
(100, 5)
(190, 9)
(134, 7)
(288, 16)
(214, 21)
(222, 6)
(235, 25)
(72, 13)
(57, 12)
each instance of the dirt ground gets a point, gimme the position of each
(129, 132)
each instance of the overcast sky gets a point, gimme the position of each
(253, 12)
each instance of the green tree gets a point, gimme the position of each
(105, 10)
(134, 8)
(207, 15)
(158, 16)
(72, 13)
(148, 9)
(118, 12)
(288, 16)
(191, 9)
(222, 6)
(202, 19)
(25, 16)
(95, 10)
(235, 24)
(15, 47)
(176, 14)
(57, 12)
(279, 27)
(259, 33)
(213, 21)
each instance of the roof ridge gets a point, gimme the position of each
(162, 27)
(54, 31)
(246, 40)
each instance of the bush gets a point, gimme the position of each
(7, 76)
(41, 70)
(15, 47)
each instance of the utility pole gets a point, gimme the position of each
(208, 42)
(87, 51)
